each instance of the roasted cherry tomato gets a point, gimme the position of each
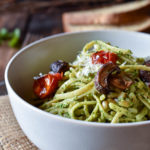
(46, 85)
(112, 57)
(59, 76)
(103, 57)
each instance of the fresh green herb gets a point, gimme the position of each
(3, 33)
(12, 37)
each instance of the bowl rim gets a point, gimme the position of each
(60, 118)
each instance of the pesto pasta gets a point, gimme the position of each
(123, 95)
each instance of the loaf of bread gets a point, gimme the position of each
(126, 13)
(143, 26)
(133, 16)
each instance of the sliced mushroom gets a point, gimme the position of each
(102, 77)
(145, 75)
(121, 81)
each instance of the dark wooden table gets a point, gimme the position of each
(37, 19)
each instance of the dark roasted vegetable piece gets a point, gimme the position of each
(145, 75)
(46, 85)
(102, 77)
(59, 66)
(121, 81)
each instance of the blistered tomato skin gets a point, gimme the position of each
(59, 76)
(46, 85)
(112, 57)
(103, 57)
(98, 57)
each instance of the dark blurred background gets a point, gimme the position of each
(43, 17)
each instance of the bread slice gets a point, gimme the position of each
(143, 26)
(118, 14)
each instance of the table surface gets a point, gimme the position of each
(43, 19)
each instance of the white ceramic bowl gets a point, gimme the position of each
(51, 132)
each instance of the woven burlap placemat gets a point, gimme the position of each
(11, 135)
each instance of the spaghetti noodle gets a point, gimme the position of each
(77, 97)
